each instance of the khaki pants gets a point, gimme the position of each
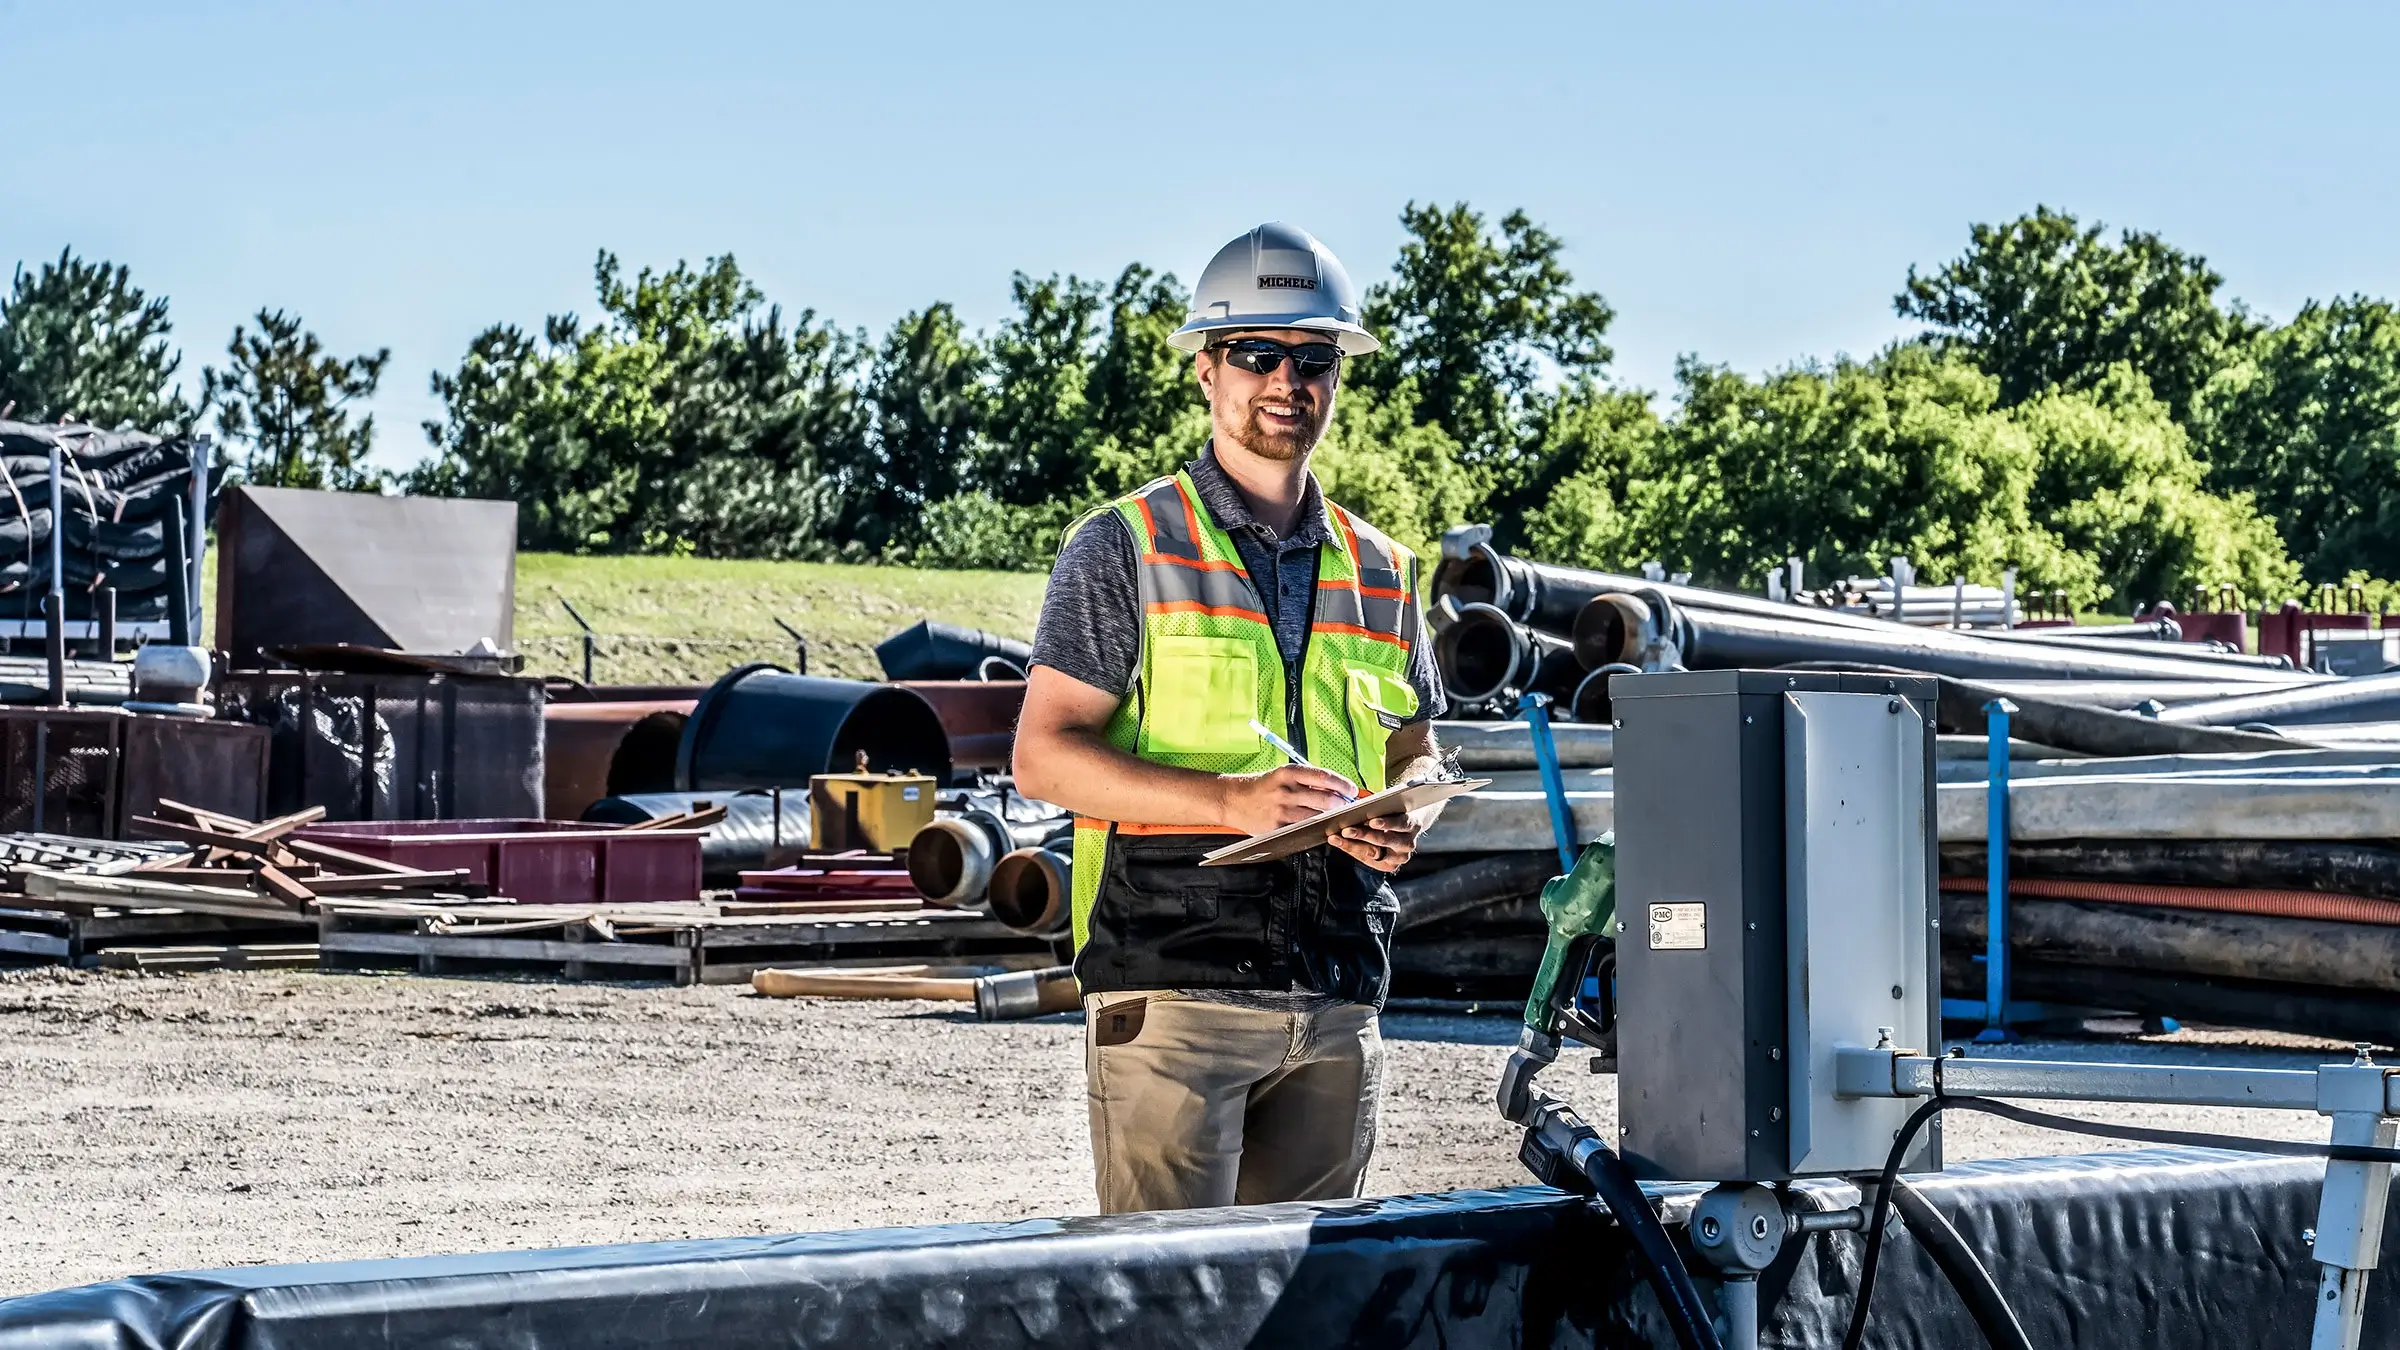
(1208, 1104)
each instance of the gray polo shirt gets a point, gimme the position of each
(1091, 625)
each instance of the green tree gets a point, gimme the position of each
(1037, 439)
(1600, 454)
(2308, 421)
(598, 430)
(2043, 302)
(928, 399)
(1088, 397)
(1845, 467)
(79, 341)
(1472, 320)
(289, 400)
(2117, 482)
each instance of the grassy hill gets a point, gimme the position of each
(687, 620)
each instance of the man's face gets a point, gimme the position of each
(1278, 415)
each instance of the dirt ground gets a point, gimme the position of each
(156, 1122)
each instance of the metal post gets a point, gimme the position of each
(1958, 602)
(2008, 598)
(104, 618)
(1792, 583)
(799, 645)
(2350, 1208)
(1536, 708)
(590, 639)
(196, 538)
(1995, 801)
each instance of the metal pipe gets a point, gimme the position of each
(1486, 653)
(1481, 746)
(2335, 867)
(54, 647)
(1717, 639)
(1471, 886)
(2368, 698)
(952, 858)
(2122, 695)
(2153, 630)
(2206, 944)
(104, 619)
(1032, 891)
(180, 619)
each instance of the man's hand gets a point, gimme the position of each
(1256, 803)
(1383, 843)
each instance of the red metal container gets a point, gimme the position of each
(546, 862)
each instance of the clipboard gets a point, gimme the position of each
(1309, 833)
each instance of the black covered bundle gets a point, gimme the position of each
(117, 490)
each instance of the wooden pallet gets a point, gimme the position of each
(680, 944)
(78, 939)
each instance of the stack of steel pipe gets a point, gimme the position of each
(1505, 619)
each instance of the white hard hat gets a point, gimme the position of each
(1276, 276)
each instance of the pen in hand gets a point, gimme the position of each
(1288, 750)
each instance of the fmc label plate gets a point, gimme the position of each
(1681, 927)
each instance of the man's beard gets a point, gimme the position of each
(1280, 443)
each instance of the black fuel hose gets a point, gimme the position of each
(1887, 1184)
(1932, 1230)
(1653, 1250)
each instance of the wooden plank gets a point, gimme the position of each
(252, 956)
(279, 884)
(120, 890)
(507, 949)
(205, 837)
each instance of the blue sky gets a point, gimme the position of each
(1749, 182)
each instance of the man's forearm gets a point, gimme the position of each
(1082, 772)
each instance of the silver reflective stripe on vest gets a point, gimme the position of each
(1170, 520)
(1213, 587)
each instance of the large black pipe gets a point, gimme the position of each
(760, 727)
(1716, 639)
(2120, 694)
(751, 837)
(2152, 630)
(1470, 886)
(2368, 698)
(945, 651)
(2338, 867)
(1485, 653)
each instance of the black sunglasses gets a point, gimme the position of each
(1260, 356)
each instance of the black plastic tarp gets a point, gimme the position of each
(2136, 1249)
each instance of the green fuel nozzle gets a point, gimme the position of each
(1581, 909)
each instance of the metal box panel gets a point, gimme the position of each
(1857, 912)
(1703, 1075)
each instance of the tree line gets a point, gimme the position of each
(2087, 407)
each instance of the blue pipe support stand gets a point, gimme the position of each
(1536, 709)
(1995, 798)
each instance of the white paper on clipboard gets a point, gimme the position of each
(1395, 801)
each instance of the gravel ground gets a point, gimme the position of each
(168, 1122)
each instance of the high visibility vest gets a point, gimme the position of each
(1209, 664)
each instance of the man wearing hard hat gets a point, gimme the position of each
(1230, 1035)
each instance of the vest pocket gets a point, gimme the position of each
(1203, 693)
(1378, 704)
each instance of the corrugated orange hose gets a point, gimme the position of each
(2275, 904)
